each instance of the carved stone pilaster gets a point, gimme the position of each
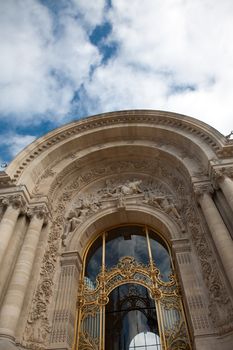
(192, 287)
(62, 331)
(220, 302)
(38, 325)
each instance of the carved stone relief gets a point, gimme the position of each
(42, 180)
(220, 304)
(119, 193)
(113, 190)
(177, 181)
(38, 324)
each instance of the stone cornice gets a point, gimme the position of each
(217, 142)
(5, 180)
(15, 191)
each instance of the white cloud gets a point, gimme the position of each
(162, 47)
(168, 44)
(16, 142)
(40, 70)
(92, 11)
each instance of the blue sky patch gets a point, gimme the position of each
(99, 36)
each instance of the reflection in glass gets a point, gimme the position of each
(93, 263)
(130, 311)
(126, 241)
(126, 317)
(161, 258)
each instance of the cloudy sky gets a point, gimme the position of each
(62, 60)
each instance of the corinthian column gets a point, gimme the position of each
(222, 177)
(12, 253)
(15, 205)
(219, 232)
(13, 302)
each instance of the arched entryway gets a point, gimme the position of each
(129, 293)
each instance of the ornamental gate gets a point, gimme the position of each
(129, 297)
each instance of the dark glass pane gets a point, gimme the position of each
(93, 263)
(129, 313)
(126, 241)
(160, 256)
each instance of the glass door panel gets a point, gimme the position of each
(130, 319)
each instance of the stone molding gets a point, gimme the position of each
(190, 125)
(71, 258)
(5, 180)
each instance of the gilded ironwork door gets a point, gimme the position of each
(129, 302)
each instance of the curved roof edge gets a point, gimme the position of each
(164, 118)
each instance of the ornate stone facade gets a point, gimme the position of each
(144, 167)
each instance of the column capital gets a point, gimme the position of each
(202, 188)
(219, 173)
(41, 212)
(71, 258)
(16, 201)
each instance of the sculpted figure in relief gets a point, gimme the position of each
(78, 213)
(170, 208)
(130, 187)
(154, 200)
(109, 190)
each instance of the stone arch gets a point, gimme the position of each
(182, 154)
(188, 134)
(159, 221)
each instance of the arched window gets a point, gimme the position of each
(128, 295)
